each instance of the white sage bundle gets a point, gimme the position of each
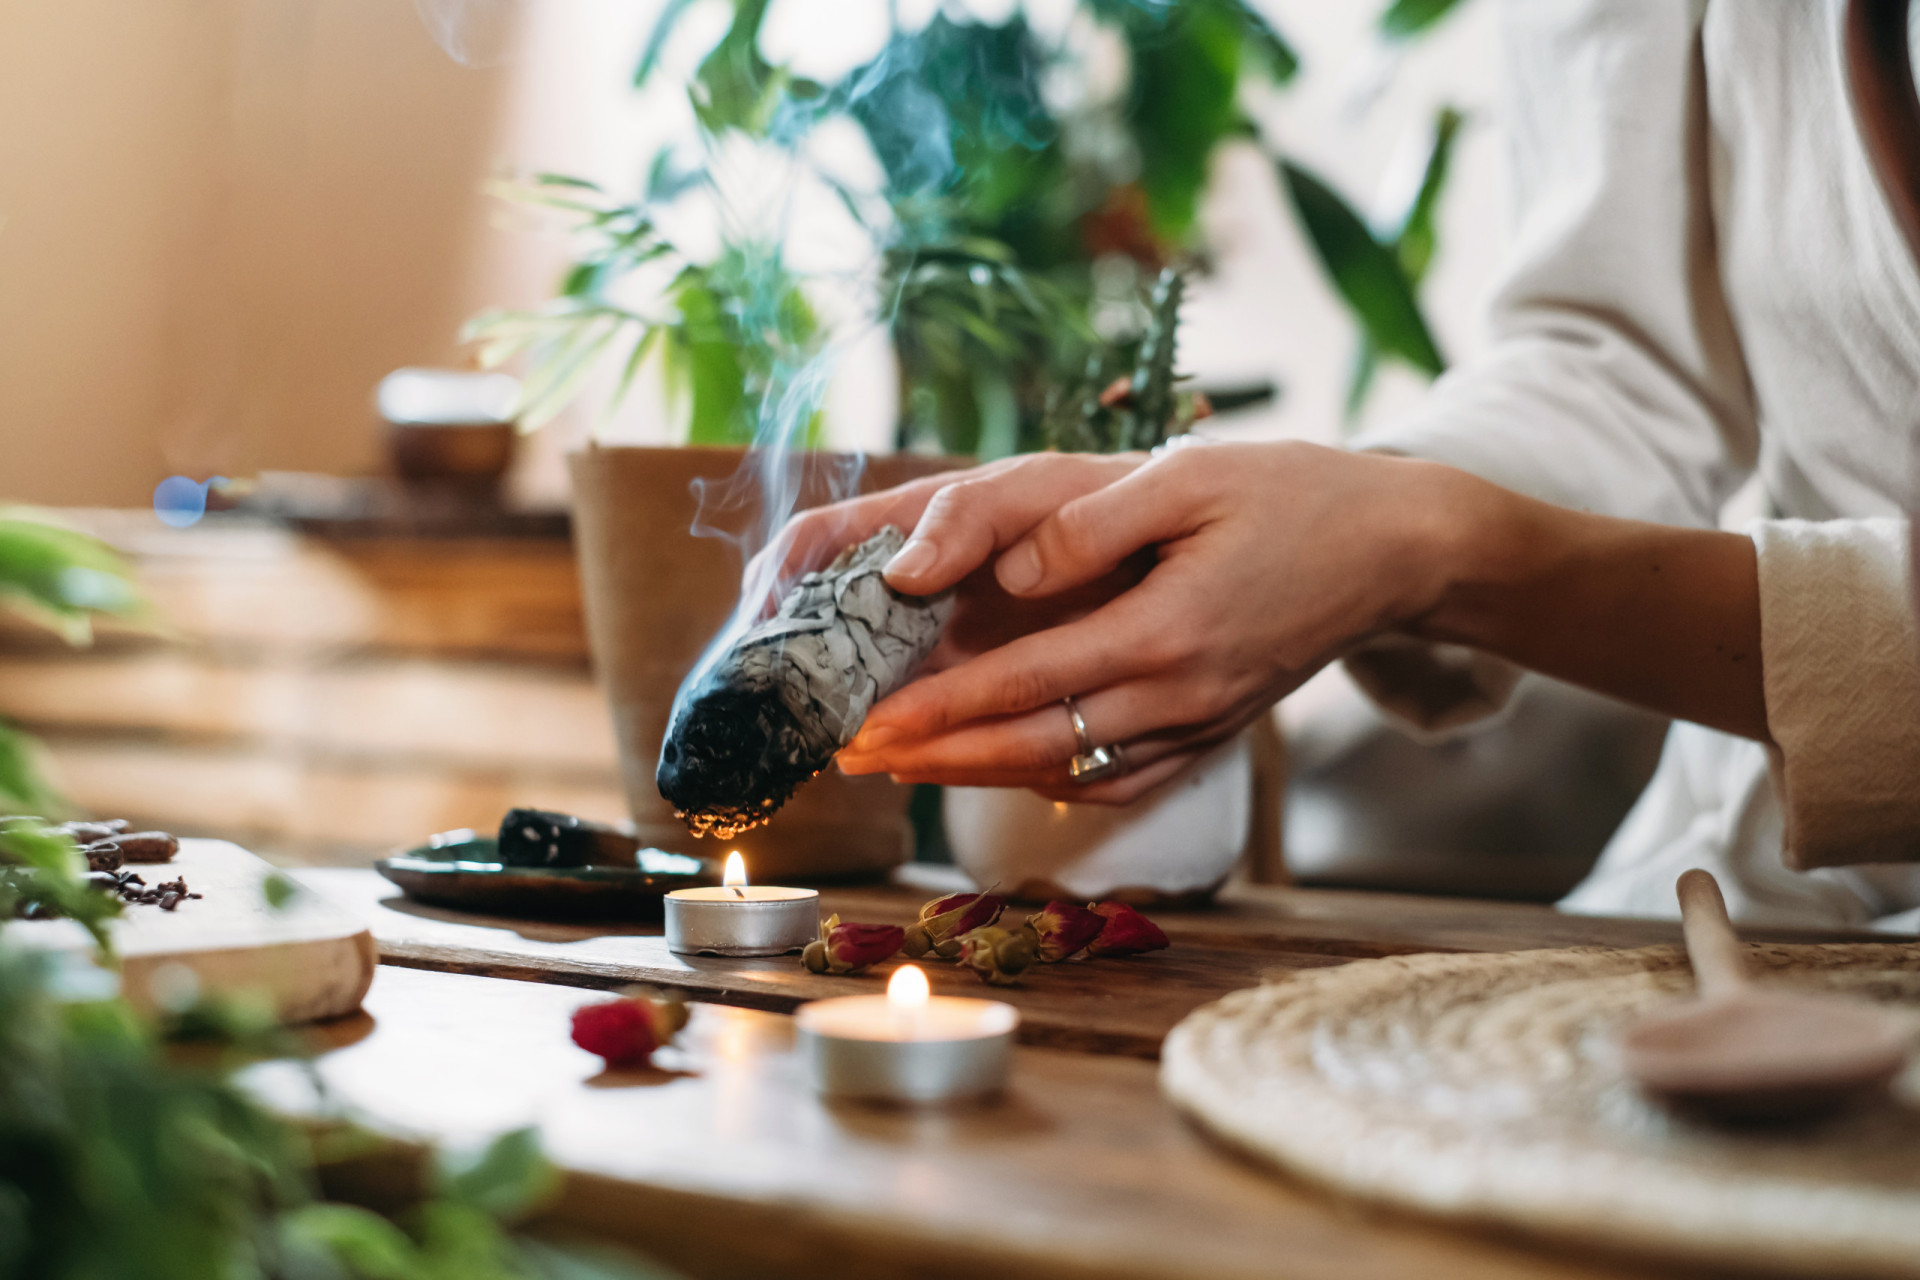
(768, 714)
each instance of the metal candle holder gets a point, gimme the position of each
(756, 920)
(945, 1050)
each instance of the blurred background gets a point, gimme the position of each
(224, 222)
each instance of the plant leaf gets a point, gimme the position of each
(507, 1179)
(1366, 273)
(1417, 238)
(670, 15)
(1272, 48)
(1405, 19)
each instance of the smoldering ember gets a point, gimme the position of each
(754, 725)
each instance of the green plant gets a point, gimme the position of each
(122, 1156)
(726, 330)
(1019, 225)
(62, 580)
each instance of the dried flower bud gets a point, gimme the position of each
(1126, 932)
(999, 955)
(622, 1031)
(918, 942)
(1063, 929)
(949, 919)
(848, 948)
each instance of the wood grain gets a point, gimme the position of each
(1119, 1006)
(1116, 1006)
(310, 958)
(723, 1162)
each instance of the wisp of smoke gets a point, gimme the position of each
(474, 33)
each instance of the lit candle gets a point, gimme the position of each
(741, 919)
(908, 1045)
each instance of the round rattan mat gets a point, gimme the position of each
(1487, 1087)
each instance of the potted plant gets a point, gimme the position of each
(1032, 188)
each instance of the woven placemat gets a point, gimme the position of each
(1488, 1087)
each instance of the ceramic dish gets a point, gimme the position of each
(463, 870)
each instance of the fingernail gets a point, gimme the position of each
(870, 740)
(912, 560)
(1019, 569)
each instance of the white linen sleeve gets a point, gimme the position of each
(1841, 659)
(1614, 381)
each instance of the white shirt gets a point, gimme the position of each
(1708, 281)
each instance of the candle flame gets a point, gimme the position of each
(908, 988)
(736, 873)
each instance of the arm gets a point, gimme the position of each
(1272, 560)
(1664, 617)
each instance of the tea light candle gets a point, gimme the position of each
(739, 919)
(907, 1046)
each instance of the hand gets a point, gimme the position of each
(972, 516)
(1264, 562)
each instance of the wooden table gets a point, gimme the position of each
(724, 1163)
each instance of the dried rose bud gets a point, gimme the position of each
(1126, 932)
(1062, 929)
(626, 1031)
(999, 955)
(848, 948)
(946, 920)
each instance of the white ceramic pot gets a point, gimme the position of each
(1178, 843)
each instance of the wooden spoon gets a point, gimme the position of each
(1746, 1052)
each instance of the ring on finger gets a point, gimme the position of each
(1098, 764)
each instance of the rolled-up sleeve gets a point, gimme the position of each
(1613, 382)
(1842, 662)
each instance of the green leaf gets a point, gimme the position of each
(61, 578)
(670, 15)
(507, 1179)
(22, 788)
(1366, 273)
(1417, 237)
(1405, 19)
(359, 1239)
(1272, 48)
(1366, 363)
(735, 88)
(1185, 71)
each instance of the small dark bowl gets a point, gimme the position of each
(469, 454)
(461, 870)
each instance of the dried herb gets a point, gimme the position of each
(752, 726)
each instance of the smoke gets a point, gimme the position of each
(474, 33)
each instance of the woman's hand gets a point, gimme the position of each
(1262, 563)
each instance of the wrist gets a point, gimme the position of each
(1474, 541)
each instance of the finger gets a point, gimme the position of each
(1089, 536)
(814, 536)
(990, 508)
(1058, 785)
(1152, 717)
(1121, 640)
(1129, 786)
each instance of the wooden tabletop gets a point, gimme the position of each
(725, 1163)
(1119, 1006)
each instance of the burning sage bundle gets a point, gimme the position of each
(764, 716)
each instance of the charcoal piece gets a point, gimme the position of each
(147, 846)
(541, 838)
(753, 725)
(102, 855)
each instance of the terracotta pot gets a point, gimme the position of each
(655, 595)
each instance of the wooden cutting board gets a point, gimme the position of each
(312, 959)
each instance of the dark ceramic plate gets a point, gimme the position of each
(462, 870)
